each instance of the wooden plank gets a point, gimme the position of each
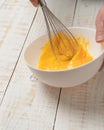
(29, 105)
(1, 3)
(86, 12)
(15, 21)
(82, 107)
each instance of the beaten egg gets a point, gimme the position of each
(48, 61)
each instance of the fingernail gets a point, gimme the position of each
(100, 38)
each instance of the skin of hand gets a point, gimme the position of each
(100, 25)
(35, 2)
(100, 28)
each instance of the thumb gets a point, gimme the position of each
(100, 31)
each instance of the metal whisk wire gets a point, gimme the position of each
(55, 26)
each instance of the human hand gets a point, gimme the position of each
(35, 2)
(100, 28)
(100, 25)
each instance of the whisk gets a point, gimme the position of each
(62, 41)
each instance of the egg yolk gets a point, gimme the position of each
(48, 61)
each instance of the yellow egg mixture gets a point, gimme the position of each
(48, 61)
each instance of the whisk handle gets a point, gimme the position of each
(42, 3)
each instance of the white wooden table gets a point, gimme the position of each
(31, 105)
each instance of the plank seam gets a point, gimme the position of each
(18, 57)
(57, 109)
(74, 12)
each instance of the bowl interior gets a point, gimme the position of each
(33, 51)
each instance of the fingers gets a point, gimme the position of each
(35, 2)
(100, 31)
(100, 25)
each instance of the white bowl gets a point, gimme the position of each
(69, 77)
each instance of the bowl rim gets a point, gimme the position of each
(63, 70)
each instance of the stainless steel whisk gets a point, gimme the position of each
(67, 44)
